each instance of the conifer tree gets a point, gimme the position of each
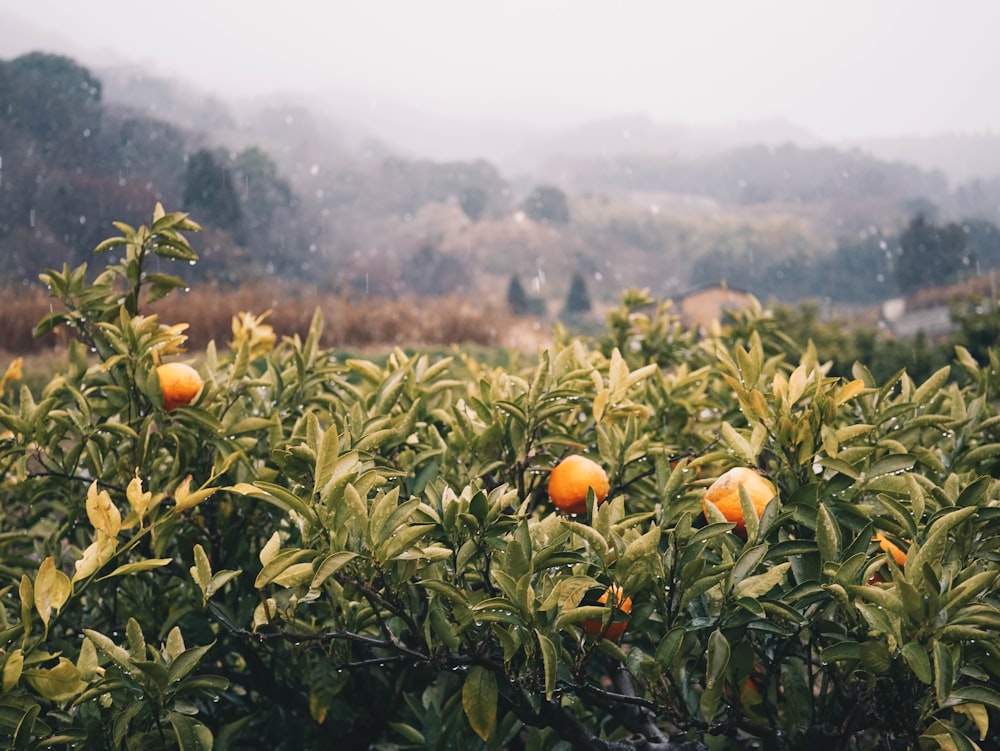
(517, 298)
(578, 299)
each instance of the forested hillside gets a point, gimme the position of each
(289, 191)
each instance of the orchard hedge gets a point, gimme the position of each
(347, 553)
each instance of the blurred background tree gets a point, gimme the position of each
(930, 254)
(547, 203)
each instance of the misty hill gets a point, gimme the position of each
(639, 134)
(760, 174)
(745, 164)
(285, 188)
(963, 157)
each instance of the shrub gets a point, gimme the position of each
(325, 553)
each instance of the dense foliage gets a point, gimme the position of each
(354, 554)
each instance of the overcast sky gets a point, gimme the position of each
(843, 68)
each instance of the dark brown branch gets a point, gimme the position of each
(79, 478)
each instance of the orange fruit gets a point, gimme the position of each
(898, 555)
(570, 480)
(619, 617)
(179, 383)
(725, 494)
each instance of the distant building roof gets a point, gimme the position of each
(702, 306)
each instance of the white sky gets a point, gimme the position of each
(842, 68)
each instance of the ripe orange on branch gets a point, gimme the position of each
(898, 555)
(570, 480)
(724, 493)
(619, 617)
(179, 383)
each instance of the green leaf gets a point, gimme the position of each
(827, 534)
(669, 647)
(277, 565)
(201, 571)
(277, 496)
(916, 657)
(112, 650)
(191, 735)
(932, 386)
(136, 640)
(581, 613)
(844, 651)
(944, 672)
(760, 585)
(400, 542)
(25, 727)
(496, 609)
(219, 580)
(550, 662)
(739, 444)
(187, 661)
(932, 550)
(567, 593)
(889, 465)
(748, 561)
(591, 535)
(479, 700)
(331, 565)
(978, 694)
(228, 736)
(875, 656)
(717, 659)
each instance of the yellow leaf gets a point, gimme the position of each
(12, 669)
(14, 372)
(264, 612)
(849, 391)
(617, 371)
(139, 501)
(52, 589)
(26, 590)
(978, 714)
(270, 549)
(96, 555)
(479, 700)
(779, 386)
(175, 643)
(758, 405)
(295, 575)
(600, 402)
(317, 707)
(797, 384)
(87, 663)
(249, 329)
(58, 684)
(102, 512)
(186, 499)
(170, 341)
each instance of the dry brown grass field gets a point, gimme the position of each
(348, 323)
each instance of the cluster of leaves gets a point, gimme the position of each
(365, 555)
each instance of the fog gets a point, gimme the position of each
(846, 153)
(439, 70)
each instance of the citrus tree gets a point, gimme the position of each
(307, 551)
